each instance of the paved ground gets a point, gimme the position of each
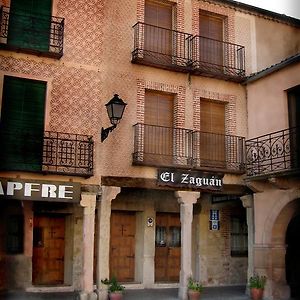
(219, 293)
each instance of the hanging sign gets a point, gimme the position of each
(36, 190)
(190, 179)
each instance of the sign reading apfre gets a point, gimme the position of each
(36, 190)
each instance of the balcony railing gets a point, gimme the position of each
(178, 147)
(218, 59)
(276, 153)
(41, 35)
(179, 51)
(68, 153)
(51, 152)
(161, 47)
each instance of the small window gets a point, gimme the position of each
(15, 232)
(239, 237)
(161, 236)
(175, 233)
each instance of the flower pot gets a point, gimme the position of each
(193, 295)
(256, 294)
(116, 296)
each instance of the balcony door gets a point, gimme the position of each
(158, 135)
(211, 41)
(158, 31)
(294, 123)
(212, 138)
(22, 124)
(29, 24)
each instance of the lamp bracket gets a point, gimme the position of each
(105, 132)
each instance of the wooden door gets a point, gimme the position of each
(158, 145)
(122, 246)
(167, 247)
(212, 138)
(211, 46)
(158, 34)
(48, 250)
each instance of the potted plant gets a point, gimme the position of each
(257, 284)
(194, 289)
(115, 290)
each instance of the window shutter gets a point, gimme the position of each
(29, 24)
(22, 123)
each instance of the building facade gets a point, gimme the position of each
(164, 197)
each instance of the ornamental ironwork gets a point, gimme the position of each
(276, 152)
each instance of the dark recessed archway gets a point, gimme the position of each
(292, 259)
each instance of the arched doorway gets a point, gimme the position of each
(292, 259)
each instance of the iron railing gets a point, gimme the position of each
(274, 153)
(29, 33)
(169, 146)
(216, 58)
(161, 47)
(179, 51)
(48, 152)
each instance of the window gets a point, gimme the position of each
(239, 237)
(29, 24)
(22, 124)
(15, 232)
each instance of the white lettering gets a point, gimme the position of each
(62, 192)
(219, 182)
(199, 181)
(29, 188)
(48, 190)
(12, 187)
(192, 180)
(184, 178)
(1, 189)
(167, 176)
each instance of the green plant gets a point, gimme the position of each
(113, 285)
(194, 285)
(257, 281)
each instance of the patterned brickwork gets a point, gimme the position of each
(230, 108)
(73, 96)
(178, 91)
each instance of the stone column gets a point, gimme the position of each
(104, 212)
(88, 202)
(248, 204)
(186, 201)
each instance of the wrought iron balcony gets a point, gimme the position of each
(179, 51)
(51, 152)
(276, 154)
(217, 59)
(185, 148)
(161, 47)
(35, 34)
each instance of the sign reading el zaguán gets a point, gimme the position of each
(190, 179)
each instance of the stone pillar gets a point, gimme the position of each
(248, 204)
(104, 211)
(88, 202)
(186, 201)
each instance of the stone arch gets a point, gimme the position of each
(280, 288)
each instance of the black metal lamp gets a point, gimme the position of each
(115, 109)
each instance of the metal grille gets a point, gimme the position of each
(161, 47)
(217, 58)
(273, 153)
(68, 153)
(54, 34)
(165, 146)
(179, 51)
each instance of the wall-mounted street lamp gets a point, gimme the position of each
(115, 109)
